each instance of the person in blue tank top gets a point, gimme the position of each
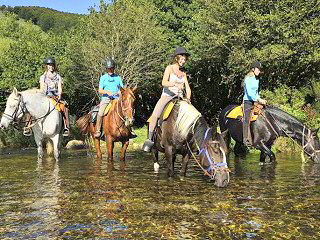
(251, 95)
(109, 88)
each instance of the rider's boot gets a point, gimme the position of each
(27, 128)
(147, 145)
(246, 140)
(66, 122)
(98, 126)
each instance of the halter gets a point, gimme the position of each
(213, 167)
(14, 116)
(309, 139)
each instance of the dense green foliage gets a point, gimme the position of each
(224, 37)
(46, 18)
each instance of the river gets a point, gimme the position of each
(82, 198)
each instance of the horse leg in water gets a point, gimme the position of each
(125, 145)
(265, 151)
(38, 137)
(168, 154)
(96, 141)
(156, 165)
(110, 146)
(184, 165)
(56, 146)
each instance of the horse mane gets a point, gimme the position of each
(200, 130)
(187, 116)
(32, 91)
(280, 114)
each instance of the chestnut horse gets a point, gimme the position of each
(116, 124)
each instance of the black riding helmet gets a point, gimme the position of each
(109, 63)
(49, 60)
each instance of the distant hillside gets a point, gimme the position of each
(46, 18)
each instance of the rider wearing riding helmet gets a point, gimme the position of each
(51, 85)
(251, 95)
(109, 88)
(174, 82)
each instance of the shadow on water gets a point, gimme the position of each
(81, 197)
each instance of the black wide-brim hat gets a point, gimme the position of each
(181, 51)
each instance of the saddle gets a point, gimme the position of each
(237, 112)
(166, 112)
(59, 105)
(94, 111)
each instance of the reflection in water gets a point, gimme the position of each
(82, 197)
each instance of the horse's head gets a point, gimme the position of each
(213, 156)
(14, 109)
(312, 145)
(128, 101)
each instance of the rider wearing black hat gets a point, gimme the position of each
(174, 82)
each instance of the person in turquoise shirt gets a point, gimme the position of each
(251, 95)
(109, 87)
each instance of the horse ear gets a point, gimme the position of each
(15, 91)
(224, 133)
(134, 89)
(121, 90)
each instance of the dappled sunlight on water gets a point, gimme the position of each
(81, 197)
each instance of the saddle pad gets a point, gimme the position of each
(94, 111)
(238, 113)
(166, 113)
(59, 105)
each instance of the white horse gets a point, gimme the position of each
(46, 120)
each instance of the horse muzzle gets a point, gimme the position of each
(221, 178)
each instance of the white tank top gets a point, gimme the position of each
(173, 91)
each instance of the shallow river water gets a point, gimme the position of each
(82, 198)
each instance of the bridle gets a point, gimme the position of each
(214, 167)
(21, 105)
(123, 116)
(309, 139)
(14, 117)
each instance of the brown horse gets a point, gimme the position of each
(186, 132)
(116, 124)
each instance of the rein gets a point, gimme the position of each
(309, 137)
(124, 109)
(213, 167)
(24, 110)
(308, 143)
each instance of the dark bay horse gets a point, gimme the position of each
(272, 123)
(186, 132)
(116, 124)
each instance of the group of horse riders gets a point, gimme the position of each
(174, 82)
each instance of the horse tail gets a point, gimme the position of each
(49, 147)
(83, 123)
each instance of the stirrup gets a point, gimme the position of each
(147, 145)
(65, 132)
(27, 131)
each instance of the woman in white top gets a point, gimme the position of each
(174, 82)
